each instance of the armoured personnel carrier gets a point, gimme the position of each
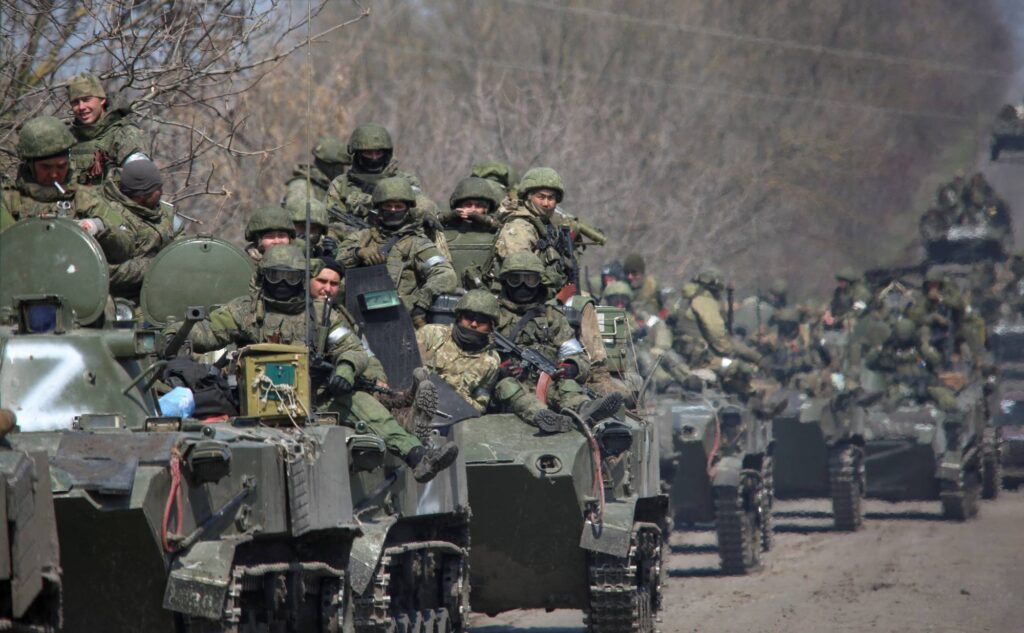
(819, 453)
(719, 471)
(916, 451)
(1006, 403)
(409, 569)
(168, 524)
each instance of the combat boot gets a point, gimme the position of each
(601, 408)
(550, 422)
(424, 406)
(426, 463)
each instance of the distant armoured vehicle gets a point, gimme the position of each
(168, 523)
(819, 453)
(718, 469)
(1008, 131)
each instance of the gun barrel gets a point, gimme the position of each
(193, 315)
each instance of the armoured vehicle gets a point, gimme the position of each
(168, 524)
(965, 244)
(916, 451)
(569, 521)
(409, 569)
(1006, 402)
(818, 453)
(719, 470)
(1008, 131)
(29, 559)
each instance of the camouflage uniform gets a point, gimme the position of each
(471, 240)
(472, 374)
(43, 137)
(910, 362)
(794, 359)
(703, 341)
(527, 228)
(945, 312)
(256, 318)
(653, 337)
(330, 158)
(418, 269)
(153, 230)
(323, 245)
(109, 142)
(646, 296)
(503, 179)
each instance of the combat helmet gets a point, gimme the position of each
(711, 278)
(296, 208)
(269, 219)
(394, 189)
(474, 188)
(522, 262)
(634, 263)
(332, 150)
(542, 178)
(369, 136)
(905, 331)
(495, 171)
(618, 293)
(480, 302)
(42, 137)
(847, 274)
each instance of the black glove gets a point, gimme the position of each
(338, 385)
(329, 246)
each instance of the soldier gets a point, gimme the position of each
(268, 226)
(275, 312)
(322, 245)
(795, 358)
(326, 280)
(418, 269)
(461, 353)
(849, 298)
(373, 160)
(46, 186)
(911, 364)
(703, 341)
(529, 226)
(104, 136)
(653, 337)
(528, 321)
(943, 310)
(470, 227)
(504, 179)
(136, 191)
(330, 158)
(646, 293)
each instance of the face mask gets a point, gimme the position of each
(521, 294)
(373, 166)
(392, 220)
(469, 339)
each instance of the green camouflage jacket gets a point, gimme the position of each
(114, 136)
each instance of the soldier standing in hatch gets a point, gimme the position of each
(646, 292)
(275, 312)
(418, 269)
(268, 226)
(104, 136)
(136, 192)
(471, 223)
(849, 299)
(330, 158)
(46, 187)
(528, 321)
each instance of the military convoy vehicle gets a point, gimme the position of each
(818, 453)
(719, 470)
(1006, 402)
(916, 451)
(409, 568)
(1007, 131)
(167, 524)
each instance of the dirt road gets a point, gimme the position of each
(906, 571)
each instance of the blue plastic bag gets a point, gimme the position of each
(178, 403)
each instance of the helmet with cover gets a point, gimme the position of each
(268, 219)
(474, 188)
(370, 137)
(521, 276)
(541, 178)
(282, 272)
(42, 137)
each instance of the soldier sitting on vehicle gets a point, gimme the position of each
(941, 308)
(417, 268)
(322, 245)
(647, 296)
(795, 359)
(702, 340)
(470, 226)
(330, 158)
(105, 138)
(910, 363)
(268, 226)
(136, 191)
(461, 353)
(528, 322)
(275, 312)
(46, 186)
(504, 178)
(849, 298)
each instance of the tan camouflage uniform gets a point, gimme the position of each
(472, 374)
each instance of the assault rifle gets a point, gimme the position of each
(350, 220)
(530, 358)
